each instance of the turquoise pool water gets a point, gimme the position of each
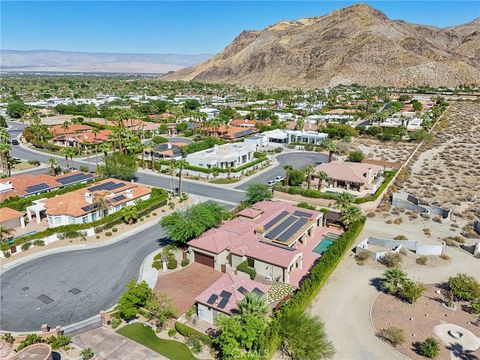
(323, 246)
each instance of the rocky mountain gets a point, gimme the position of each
(356, 44)
(69, 61)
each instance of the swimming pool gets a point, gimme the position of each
(322, 246)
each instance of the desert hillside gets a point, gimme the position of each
(357, 44)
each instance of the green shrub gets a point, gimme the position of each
(356, 156)
(6, 254)
(58, 342)
(108, 233)
(115, 322)
(464, 287)
(391, 260)
(429, 348)
(185, 262)
(39, 243)
(189, 332)
(172, 332)
(393, 335)
(157, 264)
(71, 234)
(195, 343)
(26, 246)
(114, 229)
(171, 263)
(29, 340)
(243, 267)
(475, 306)
(307, 206)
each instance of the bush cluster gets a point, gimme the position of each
(243, 267)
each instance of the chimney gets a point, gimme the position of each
(89, 197)
(129, 193)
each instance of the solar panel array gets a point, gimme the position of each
(37, 187)
(89, 207)
(275, 220)
(292, 230)
(242, 290)
(258, 291)
(106, 186)
(244, 133)
(118, 198)
(74, 178)
(281, 227)
(225, 295)
(223, 303)
(302, 214)
(211, 300)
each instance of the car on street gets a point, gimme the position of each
(14, 142)
(271, 182)
(279, 178)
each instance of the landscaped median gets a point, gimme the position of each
(157, 199)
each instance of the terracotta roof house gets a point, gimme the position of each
(82, 206)
(246, 123)
(232, 132)
(170, 151)
(11, 219)
(269, 236)
(351, 175)
(224, 294)
(75, 140)
(71, 129)
(24, 185)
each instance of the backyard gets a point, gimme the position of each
(146, 336)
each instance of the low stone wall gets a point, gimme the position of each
(35, 352)
(412, 203)
(299, 198)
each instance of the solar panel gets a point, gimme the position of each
(282, 227)
(244, 133)
(225, 294)
(37, 187)
(89, 207)
(242, 290)
(222, 303)
(106, 186)
(212, 299)
(275, 220)
(258, 292)
(118, 198)
(292, 230)
(302, 214)
(74, 178)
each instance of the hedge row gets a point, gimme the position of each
(188, 332)
(243, 267)
(212, 170)
(316, 194)
(157, 199)
(20, 204)
(317, 277)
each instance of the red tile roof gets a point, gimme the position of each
(7, 214)
(72, 129)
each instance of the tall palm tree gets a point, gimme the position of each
(252, 304)
(287, 169)
(5, 233)
(351, 214)
(304, 337)
(331, 147)
(393, 279)
(180, 165)
(102, 204)
(53, 163)
(322, 176)
(343, 200)
(66, 125)
(65, 152)
(130, 214)
(308, 170)
(5, 149)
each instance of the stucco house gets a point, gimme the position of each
(223, 156)
(82, 206)
(268, 236)
(11, 218)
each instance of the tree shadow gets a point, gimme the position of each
(377, 284)
(459, 352)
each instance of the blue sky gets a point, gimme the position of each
(182, 27)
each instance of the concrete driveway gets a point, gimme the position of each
(108, 345)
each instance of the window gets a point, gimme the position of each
(85, 219)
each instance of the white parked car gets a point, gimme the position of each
(271, 182)
(279, 179)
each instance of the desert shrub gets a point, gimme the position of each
(394, 335)
(185, 262)
(114, 229)
(362, 257)
(356, 156)
(108, 233)
(464, 287)
(172, 332)
(171, 263)
(71, 234)
(7, 254)
(195, 343)
(157, 264)
(411, 291)
(39, 242)
(475, 306)
(422, 260)
(115, 322)
(391, 260)
(58, 342)
(429, 348)
(400, 237)
(29, 340)
(444, 257)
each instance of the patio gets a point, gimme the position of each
(309, 257)
(31, 226)
(183, 286)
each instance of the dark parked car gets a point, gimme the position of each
(14, 142)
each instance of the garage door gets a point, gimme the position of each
(204, 259)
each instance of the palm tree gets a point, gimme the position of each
(287, 169)
(66, 153)
(331, 147)
(130, 214)
(322, 176)
(304, 337)
(102, 203)
(343, 200)
(5, 156)
(393, 279)
(53, 162)
(87, 354)
(351, 214)
(5, 233)
(180, 165)
(106, 147)
(66, 125)
(308, 170)
(252, 304)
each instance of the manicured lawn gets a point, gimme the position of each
(224, 181)
(146, 336)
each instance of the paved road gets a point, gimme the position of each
(100, 274)
(296, 159)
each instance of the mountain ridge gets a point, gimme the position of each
(356, 44)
